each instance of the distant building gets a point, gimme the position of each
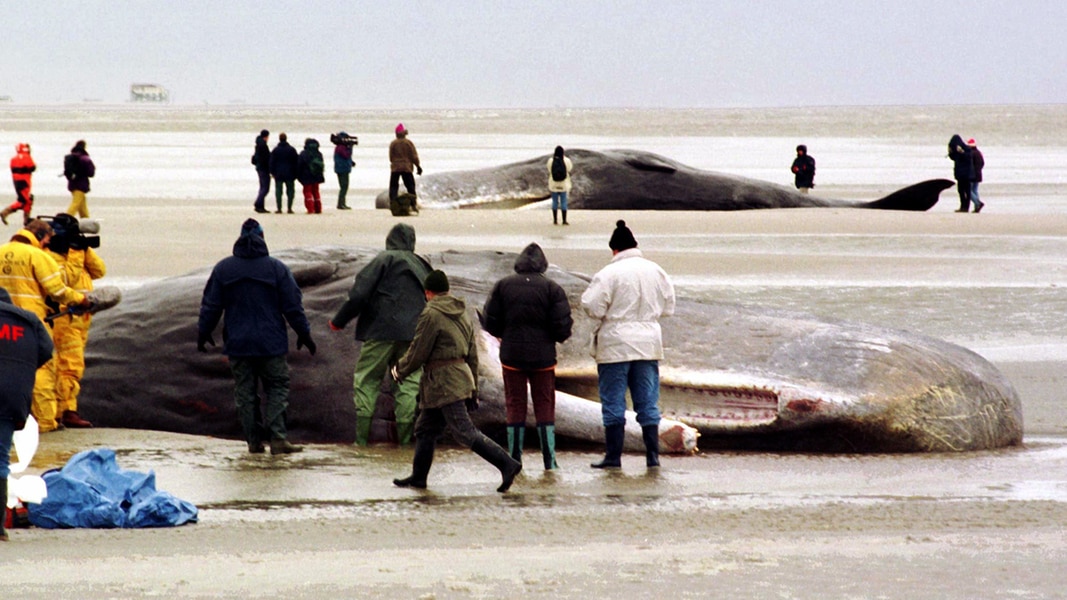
(149, 92)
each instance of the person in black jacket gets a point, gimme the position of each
(261, 160)
(258, 295)
(25, 346)
(804, 168)
(310, 170)
(283, 161)
(979, 163)
(530, 314)
(962, 170)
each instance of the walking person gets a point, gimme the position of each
(283, 168)
(22, 168)
(310, 170)
(962, 170)
(261, 160)
(25, 347)
(78, 168)
(444, 348)
(628, 297)
(559, 183)
(530, 314)
(804, 169)
(258, 296)
(979, 163)
(403, 157)
(387, 297)
(342, 165)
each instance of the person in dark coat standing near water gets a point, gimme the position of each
(979, 163)
(530, 314)
(283, 161)
(261, 160)
(258, 295)
(804, 168)
(962, 170)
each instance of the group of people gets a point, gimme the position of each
(412, 329)
(78, 168)
(968, 163)
(286, 166)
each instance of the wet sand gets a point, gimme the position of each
(328, 523)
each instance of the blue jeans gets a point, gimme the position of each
(642, 377)
(264, 189)
(974, 193)
(7, 429)
(559, 200)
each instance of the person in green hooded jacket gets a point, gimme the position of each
(310, 170)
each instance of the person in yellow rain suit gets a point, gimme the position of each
(73, 252)
(30, 276)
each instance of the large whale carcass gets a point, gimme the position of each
(744, 377)
(638, 180)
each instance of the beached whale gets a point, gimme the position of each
(742, 376)
(637, 180)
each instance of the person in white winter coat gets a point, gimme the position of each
(628, 297)
(559, 183)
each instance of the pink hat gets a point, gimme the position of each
(970, 142)
(400, 128)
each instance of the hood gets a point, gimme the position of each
(956, 140)
(448, 305)
(22, 149)
(311, 144)
(251, 244)
(531, 260)
(260, 141)
(401, 237)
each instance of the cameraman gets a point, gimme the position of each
(73, 252)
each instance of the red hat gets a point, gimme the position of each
(400, 128)
(970, 142)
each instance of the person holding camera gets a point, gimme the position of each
(342, 164)
(73, 252)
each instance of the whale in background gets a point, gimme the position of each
(637, 180)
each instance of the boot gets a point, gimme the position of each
(651, 435)
(279, 446)
(404, 431)
(256, 447)
(565, 218)
(613, 441)
(420, 464)
(547, 433)
(516, 438)
(73, 420)
(498, 457)
(362, 431)
(4, 213)
(555, 217)
(3, 504)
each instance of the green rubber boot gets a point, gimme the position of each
(362, 431)
(516, 438)
(547, 433)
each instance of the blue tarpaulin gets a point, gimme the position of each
(92, 491)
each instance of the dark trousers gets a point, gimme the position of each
(342, 180)
(394, 183)
(264, 189)
(273, 372)
(542, 384)
(432, 422)
(290, 192)
(964, 189)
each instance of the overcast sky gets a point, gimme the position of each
(502, 53)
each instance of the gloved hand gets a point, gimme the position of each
(472, 402)
(304, 339)
(418, 170)
(202, 339)
(334, 327)
(394, 374)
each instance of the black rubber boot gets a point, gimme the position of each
(498, 457)
(3, 513)
(565, 218)
(555, 217)
(278, 446)
(613, 441)
(516, 439)
(651, 435)
(420, 464)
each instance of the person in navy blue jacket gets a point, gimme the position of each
(25, 346)
(258, 295)
(283, 161)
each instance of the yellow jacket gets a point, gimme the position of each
(30, 275)
(81, 268)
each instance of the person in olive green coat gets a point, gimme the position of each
(445, 349)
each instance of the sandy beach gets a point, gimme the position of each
(328, 523)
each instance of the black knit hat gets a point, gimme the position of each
(251, 227)
(622, 238)
(436, 282)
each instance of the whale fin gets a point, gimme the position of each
(919, 197)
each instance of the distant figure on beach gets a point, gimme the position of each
(559, 183)
(963, 170)
(261, 160)
(24, 349)
(258, 296)
(386, 297)
(342, 164)
(530, 314)
(22, 168)
(804, 168)
(627, 298)
(78, 168)
(402, 159)
(283, 168)
(445, 349)
(310, 170)
(979, 164)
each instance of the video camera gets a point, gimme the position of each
(69, 233)
(344, 139)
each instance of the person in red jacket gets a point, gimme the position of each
(22, 168)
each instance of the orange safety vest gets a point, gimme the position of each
(22, 165)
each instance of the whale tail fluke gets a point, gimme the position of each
(919, 197)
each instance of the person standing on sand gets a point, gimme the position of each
(283, 168)
(261, 159)
(962, 170)
(342, 164)
(25, 347)
(559, 182)
(530, 314)
(78, 168)
(22, 168)
(445, 350)
(804, 168)
(627, 298)
(310, 170)
(258, 295)
(403, 157)
(979, 164)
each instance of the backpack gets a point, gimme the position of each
(559, 169)
(70, 166)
